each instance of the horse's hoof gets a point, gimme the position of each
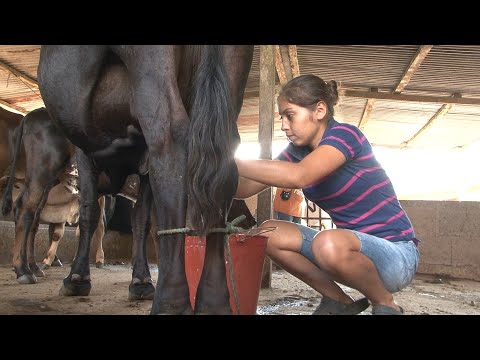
(27, 279)
(67, 291)
(139, 291)
(136, 297)
(99, 265)
(44, 266)
(75, 288)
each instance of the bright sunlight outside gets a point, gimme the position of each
(417, 174)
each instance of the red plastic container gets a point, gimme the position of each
(248, 256)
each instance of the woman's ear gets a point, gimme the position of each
(321, 110)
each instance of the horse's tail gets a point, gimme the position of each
(7, 196)
(212, 140)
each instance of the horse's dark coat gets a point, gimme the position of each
(175, 106)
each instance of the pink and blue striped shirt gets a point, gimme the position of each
(359, 195)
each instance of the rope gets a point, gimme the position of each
(230, 228)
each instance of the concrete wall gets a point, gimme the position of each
(66, 250)
(116, 245)
(450, 234)
(449, 231)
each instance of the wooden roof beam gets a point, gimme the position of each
(407, 76)
(12, 108)
(438, 115)
(412, 98)
(253, 93)
(279, 66)
(417, 60)
(293, 56)
(286, 62)
(367, 111)
(23, 78)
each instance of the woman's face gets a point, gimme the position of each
(302, 126)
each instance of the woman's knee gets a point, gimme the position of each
(329, 248)
(281, 235)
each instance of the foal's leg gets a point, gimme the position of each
(98, 235)
(55, 234)
(27, 207)
(33, 232)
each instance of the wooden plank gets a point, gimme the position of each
(265, 138)
(367, 111)
(292, 52)
(286, 62)
(417, 60)
(12, 108)
(438, 115)
(24, 78)
(254, 93)
(414, 98)
(279, 66)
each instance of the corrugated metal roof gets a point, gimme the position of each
(357, 65)
(447, 69)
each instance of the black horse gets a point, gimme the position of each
(169, 114)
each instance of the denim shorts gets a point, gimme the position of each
(396, 262)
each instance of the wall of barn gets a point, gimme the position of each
(450, 234)
(449, 230)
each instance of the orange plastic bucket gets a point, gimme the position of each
(248, 255)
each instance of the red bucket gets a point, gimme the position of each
(248, 255)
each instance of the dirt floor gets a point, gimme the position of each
(287, 296)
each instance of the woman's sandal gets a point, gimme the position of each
(332, 307)
(386, 310)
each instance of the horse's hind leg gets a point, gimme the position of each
(213, 279)
(158, 106)
(141, 286)
(213, 273)
(238, 61)
(172, 292)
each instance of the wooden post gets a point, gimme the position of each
(265, 138)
